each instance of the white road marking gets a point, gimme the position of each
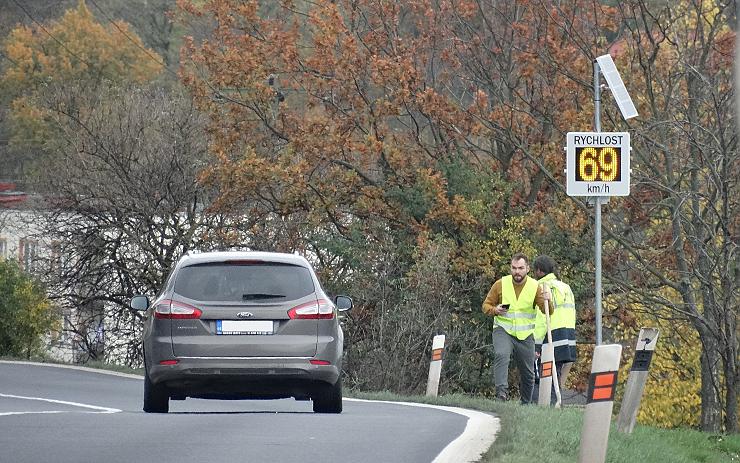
(478, 436)
(45, 412)
(63, 402)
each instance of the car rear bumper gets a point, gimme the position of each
(243, 377)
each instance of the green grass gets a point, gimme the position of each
(531, 434)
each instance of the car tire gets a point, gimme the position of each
(328, 399)
(156, 397)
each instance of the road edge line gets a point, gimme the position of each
(479, 434)
(75, 367)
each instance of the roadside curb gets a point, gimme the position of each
(75, 367)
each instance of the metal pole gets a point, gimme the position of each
(597, 253)
(597, 205)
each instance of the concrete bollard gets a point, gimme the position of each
(597, 417)
(644, 349)
(435, 366)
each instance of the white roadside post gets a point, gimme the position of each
(549, 375)
(644, 349)
(435, 366)
(598, 415)
(547, 362)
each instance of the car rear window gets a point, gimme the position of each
(226, 282)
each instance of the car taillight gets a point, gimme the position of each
(176, 310)
(314, 310)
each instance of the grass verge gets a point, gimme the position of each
(531, 433)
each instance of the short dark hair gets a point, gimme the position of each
(519, 256)
(545, 264)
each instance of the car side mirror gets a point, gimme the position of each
(343, 303)
(140, 303)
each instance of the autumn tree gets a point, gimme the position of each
(150, 19)
(363, 123)
(354, 121)
(331, 126)
(676, 236)
(75, 48)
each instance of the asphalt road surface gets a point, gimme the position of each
(52, 414)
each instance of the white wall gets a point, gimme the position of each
(19, 241)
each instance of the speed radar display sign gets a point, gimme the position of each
(598, 164)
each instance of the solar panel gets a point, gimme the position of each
(619, 91)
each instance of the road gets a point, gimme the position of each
(60, 415)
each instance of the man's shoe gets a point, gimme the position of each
(501, 396)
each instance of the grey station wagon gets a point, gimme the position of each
(242, 325)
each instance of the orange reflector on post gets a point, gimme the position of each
(601, 386)
(435, 366)
(604, 379)
(546, 370)
(602, 393)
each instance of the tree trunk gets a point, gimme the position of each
(731, 384)
(711, 411)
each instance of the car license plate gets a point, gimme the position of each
(243, 326)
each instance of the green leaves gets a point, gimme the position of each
(25, 313)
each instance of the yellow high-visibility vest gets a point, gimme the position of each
(562, 321)
(519, 321)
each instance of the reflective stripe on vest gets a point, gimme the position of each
(510, 327)
(519, 321)
(564, 342)
(530, 316)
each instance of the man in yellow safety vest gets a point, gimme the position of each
(511, 301)
(562, 321)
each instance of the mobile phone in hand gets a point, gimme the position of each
(505, 306)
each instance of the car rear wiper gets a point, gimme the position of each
(250, 296)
